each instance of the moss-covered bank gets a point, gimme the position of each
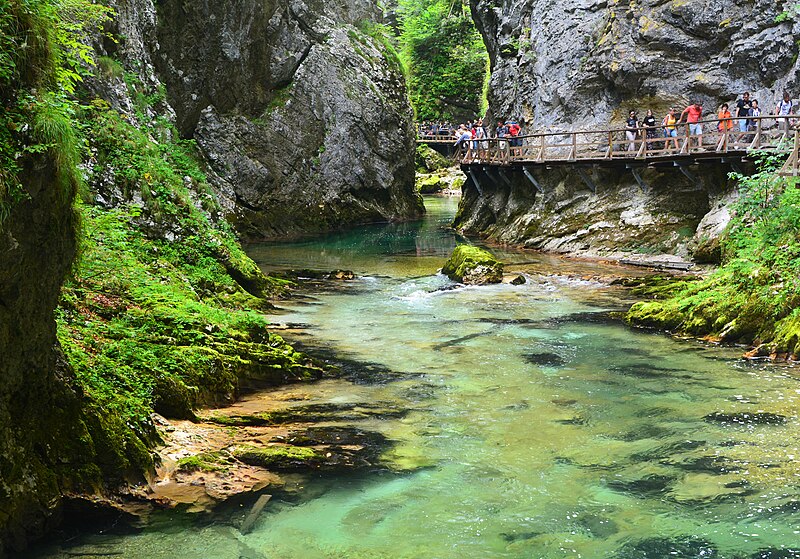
(753, 297)
(162, 310)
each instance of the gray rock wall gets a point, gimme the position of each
(300, 112)
(671, 215)
(583, 63)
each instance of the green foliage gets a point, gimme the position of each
(758, 285)
(445, 56)
(44, 54)
(383, 36)
(163, 312)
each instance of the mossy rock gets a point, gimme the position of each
(473, 266)
(708, 251)
(204, 462)
(279, 457)
(653, 314)
(430, 184)
(429, 160)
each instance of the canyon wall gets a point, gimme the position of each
(583, 64)
(298, 108)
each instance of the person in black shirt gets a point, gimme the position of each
(632, 130)
(743, 107)
(649, 122)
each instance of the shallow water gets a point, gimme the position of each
(539, 428)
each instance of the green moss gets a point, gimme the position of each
(429, 184)
(204, 462)
(470, 264)
(428, 160)
(754, 296)
(278, 457)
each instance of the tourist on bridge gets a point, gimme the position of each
(752, 123)
(479, 137)
(632, 130)
(670, 124)
(463, 136)
(693, 114)
(724, 116)
(501, 131)
(785, 107)
(743, 107)
(513, 132)
(649, 122)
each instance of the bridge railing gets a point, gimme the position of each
(765, 133)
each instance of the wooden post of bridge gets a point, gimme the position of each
(541, 148)
(574, 152)
(757, 139)
(643, 148)
(610, 152)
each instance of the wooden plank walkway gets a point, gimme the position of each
(613, 148)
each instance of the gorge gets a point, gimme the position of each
(515, 420)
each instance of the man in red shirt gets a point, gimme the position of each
(693, 114)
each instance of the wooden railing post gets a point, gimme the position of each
(757, 140)
(574, 153)
(542, 148)
(642, 152)
(610, 152)
(687, 142)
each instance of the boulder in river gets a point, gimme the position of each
(473, 266)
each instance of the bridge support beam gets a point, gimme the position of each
(638, 177)
(587, 179)
(502, 175)
(687, 173)
(491, 176)
(475, 180)
(533, 180)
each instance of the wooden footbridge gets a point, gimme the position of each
(587, 149)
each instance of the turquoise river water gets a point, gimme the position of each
(539, 427)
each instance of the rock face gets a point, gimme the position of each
(582, 64)
(473, 266)
(573, 64)
(298, 107)
(44, 444)
(667, 216)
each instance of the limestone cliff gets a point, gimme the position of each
(669, 215)
(299, 108)
(582, 64)
(576, 63)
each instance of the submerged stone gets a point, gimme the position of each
(747, 418)
(473, 266)
(775, 553)
(660, 548)
(598, 526)
(544, 359)
(648, 485)
(512, 537)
